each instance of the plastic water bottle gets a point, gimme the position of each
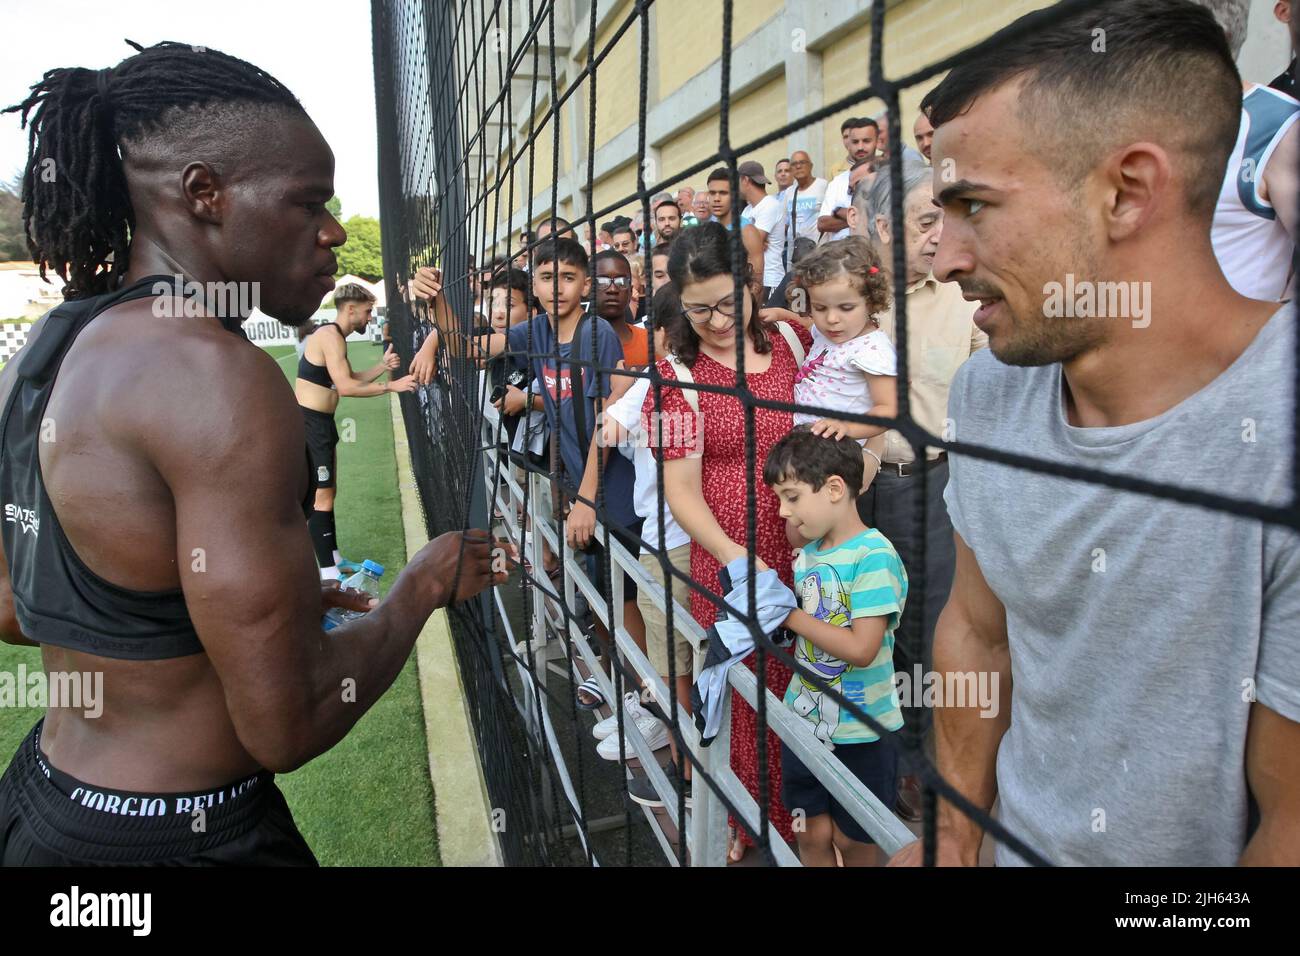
(367, 580)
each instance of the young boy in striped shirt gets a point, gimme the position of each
(851, 588)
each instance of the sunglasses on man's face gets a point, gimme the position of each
(617, 282)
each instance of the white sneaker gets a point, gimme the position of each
(631, 710)
(654, 730)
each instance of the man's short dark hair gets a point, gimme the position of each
(668, 202)
(857, 122)
(665, 308)
(619, 230)
(95, 128)
(515, 280)
(559, 249)
(561, 226)
(1166, 67)
(813, 459)
(719, 173)
(612, 255)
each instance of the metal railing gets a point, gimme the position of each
(706, 829)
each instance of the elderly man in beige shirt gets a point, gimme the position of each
(940, 337)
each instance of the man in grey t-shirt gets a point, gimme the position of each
(1148, 652)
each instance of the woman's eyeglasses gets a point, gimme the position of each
(703, 314)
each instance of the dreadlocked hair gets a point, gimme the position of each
(77, 212)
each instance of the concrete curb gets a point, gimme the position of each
(463, 810)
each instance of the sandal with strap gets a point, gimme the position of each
(590, 687)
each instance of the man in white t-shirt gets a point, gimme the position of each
(860, 137)
(802, 201)
(762, 227)
(784, 175)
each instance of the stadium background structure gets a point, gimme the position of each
(430, 65)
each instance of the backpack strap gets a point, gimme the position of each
(792, 339)
(683, 373)
(578, 392)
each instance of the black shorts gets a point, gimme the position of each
(322, 444)
(874, 763)
(48, 818)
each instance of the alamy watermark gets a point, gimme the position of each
(181, 298)
(75, 690)
(922, 688)
(655, 430)
(1073, 299)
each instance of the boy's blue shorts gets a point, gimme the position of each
(874, 763)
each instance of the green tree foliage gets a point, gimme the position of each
(335, 206)
(361, 255)
(13, 243)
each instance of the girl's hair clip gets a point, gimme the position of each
(872, 271)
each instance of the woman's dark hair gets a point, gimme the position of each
(700, 253)
(77, 213)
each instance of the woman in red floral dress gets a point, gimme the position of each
(708, 493)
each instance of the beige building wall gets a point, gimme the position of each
(614, 187)
(917, 32)
(692, 30)
(618, 77)
(751, 117)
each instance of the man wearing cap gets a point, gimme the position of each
(762, 227)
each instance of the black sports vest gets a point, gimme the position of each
(317, 374)
(57, 599)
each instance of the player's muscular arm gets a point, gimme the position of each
(10, 632)
(249, 578)
(971, 636)
(1273, 772)
(345, 380)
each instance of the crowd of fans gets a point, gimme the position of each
(836, 499)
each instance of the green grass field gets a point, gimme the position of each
(368, 801)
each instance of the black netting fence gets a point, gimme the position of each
(456, 168)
